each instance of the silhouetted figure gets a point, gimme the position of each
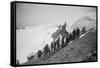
(46, 49)
(83, 30)
(63, 44)
(78, 32)
(39, 53)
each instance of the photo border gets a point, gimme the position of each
(13, 32)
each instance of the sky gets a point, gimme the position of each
(39, 14)
(39, 17)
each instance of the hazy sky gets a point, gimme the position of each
(39, 14)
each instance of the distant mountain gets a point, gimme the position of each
(88, 22)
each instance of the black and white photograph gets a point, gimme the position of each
(55, 34)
